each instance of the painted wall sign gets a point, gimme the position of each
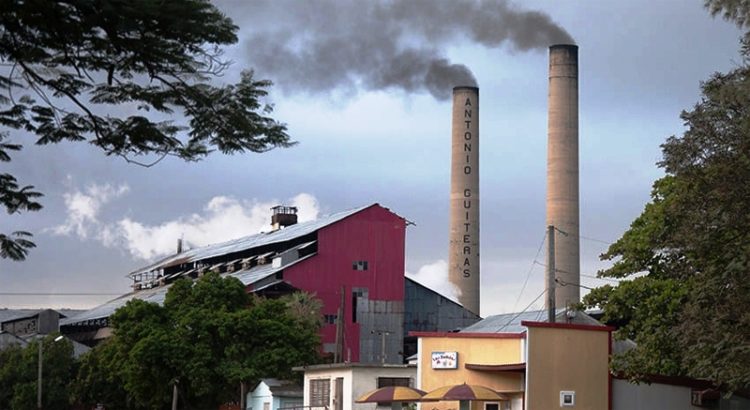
(445, 360)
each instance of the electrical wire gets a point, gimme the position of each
(531, 268)
(521, 312)
(585, 274)
(588, 238)
(563, 283)
(605, 279)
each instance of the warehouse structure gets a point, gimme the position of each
(353, 261)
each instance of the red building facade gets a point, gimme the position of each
(353, 261)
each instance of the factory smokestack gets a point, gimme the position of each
(562, 171)
(463, 259)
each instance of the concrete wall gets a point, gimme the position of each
(261, 394)
(658, 396)
(357, 380)
(474, 348)
(567, 358)
(629, 396)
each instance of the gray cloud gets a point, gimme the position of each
(318, 46)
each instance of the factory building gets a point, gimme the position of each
(352, 261)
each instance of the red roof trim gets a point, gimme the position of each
(514, 367)
(567, 326)
(470, 335)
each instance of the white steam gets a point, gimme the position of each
(221, 219)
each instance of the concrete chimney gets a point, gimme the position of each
(463, 258)
(562, 171)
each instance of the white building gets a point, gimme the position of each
(273, 394)
(337, 386)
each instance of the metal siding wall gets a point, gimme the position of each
(375, 235)
(427, 311)
(375, 316)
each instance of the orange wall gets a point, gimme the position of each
(567, 359)
(475, 351)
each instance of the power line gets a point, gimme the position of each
(605, 279)
(588, 238)
(522, 312)
(583, 274)
(531, 268)
(563, 283)
(595, 240)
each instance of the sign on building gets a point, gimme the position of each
(444, 360)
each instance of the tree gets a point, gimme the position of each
(690, 312)
(209, 336)
(18, 375)
(71, 71)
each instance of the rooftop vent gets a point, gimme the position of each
(283, 216)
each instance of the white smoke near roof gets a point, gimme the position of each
(83, 208)
(222, 219)
(435, 276)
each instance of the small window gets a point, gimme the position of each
(359, 265)
(320, 392)
(394, 381)
(567, 398)
(491, 406)
(330, 319)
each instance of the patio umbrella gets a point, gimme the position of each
(464, 393)
(392, 394)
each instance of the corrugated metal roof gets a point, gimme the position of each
(511, 322)
(252, 241)
(7, 315)
(157, 295)
(247, 277)
(260, 272)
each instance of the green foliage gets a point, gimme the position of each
(209, 336)
(18, 375)
(100, 379)
(690, 313)
(133, 78)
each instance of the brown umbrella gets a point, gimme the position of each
(392, 394)
(464, 393)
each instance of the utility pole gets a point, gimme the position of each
(550, 274)
(338, 355)
(174, 394)
(242, 396)
(40, 340)
(39, 370)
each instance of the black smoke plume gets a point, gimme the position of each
(316, 46)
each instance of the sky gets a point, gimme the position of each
(348, 85)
